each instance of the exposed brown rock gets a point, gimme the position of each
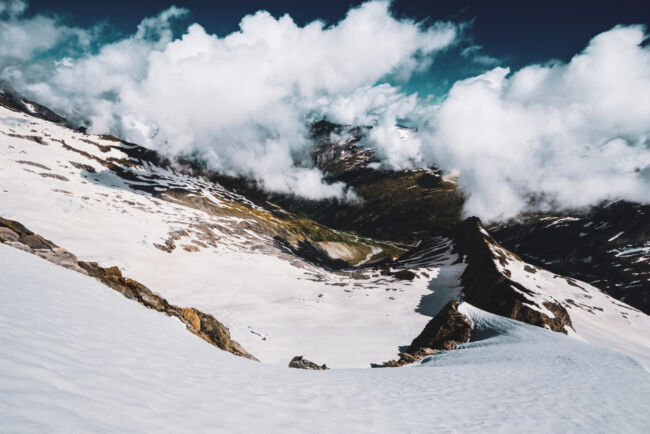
(530, 269)
(31, 163)
(54, 175)
(169, 244)
(36, 139)
(7, 235)
(191, 315)
(20, 246)
(203, 325)
(81, 166)
(36, 242)
(60, 257)
(406, 358)
(299, 362)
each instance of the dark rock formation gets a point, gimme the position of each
(407, 358)
(448, 329)
(404, 275)
(201, 324)
(299, 362)
(485, 287)
(445, 331)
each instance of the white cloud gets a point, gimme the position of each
(240, 101)
(563, 135)
(475, 54)
(547, 136)
(22, 40)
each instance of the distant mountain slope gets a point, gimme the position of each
(608, 246)
(405, 205)
(12, 100)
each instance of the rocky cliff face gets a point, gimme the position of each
(445, 331)
(448, 329)
(500, 282)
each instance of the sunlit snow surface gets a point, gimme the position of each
(276, 307)
(77, 356)
(595, 316)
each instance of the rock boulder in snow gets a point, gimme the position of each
(299, 362)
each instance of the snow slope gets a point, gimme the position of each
(77, 356)
(596, 317)
(275, 305)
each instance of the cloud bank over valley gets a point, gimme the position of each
(548, 136)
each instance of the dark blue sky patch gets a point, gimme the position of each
(516, 31)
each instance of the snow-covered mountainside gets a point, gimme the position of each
(202, 245)
(76, 356)
(608, 246)
(228, 263)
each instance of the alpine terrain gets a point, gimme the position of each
(145, 292)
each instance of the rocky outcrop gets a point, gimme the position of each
(407, 358)
(299, 362)
(445, 331)
(487, 285)
(448, 329)
(487, 288)
(201, 324)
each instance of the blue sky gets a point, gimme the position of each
(523, 31)
(516, 33)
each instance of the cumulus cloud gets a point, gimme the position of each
(242, 102)
(549, 136)
(23, 39)
(555, 136)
